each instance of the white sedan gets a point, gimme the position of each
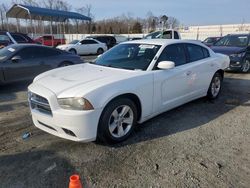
(85, 47)
(129, 84)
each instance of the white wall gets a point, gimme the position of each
(191, 32)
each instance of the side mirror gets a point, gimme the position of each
(164, 65)
(15, 59)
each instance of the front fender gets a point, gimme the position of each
(141, 86)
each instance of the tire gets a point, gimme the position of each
(215, 86)
(100, 51)
(246, 66)
(65, 64)
(73, 51)
(115, 126)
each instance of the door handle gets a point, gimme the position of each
(188, 73)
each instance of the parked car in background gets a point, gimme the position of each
(237, 47)
(7, 38)
(167, 34)
(135, 38)
(50, 40)
(132, 82)
(73, 42)
(110, 41)
(211, 41)
(85, 47)
(25, 61)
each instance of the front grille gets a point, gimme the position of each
(39, 103)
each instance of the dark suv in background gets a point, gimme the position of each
(237, 47)
(7, 38)
(110, 41)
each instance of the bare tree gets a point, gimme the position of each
(2, 15)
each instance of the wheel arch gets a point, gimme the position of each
(221, 72)
(134, 98)
(73, 49)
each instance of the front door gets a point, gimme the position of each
(172, 86)
(26, 68)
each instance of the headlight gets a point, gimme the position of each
(240, 55)
(75, 104)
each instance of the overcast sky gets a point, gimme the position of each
(188, 12)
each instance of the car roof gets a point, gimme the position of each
(163, 42)
(91, 39)
(242, 34)
(100, 36)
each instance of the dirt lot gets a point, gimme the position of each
(200, 144)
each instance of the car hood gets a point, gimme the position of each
(227, 50)
(65, 46)
(77, 80)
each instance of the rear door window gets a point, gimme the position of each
(47, 52)
(205, 52)
(26, 53)
(195, 52)
(88, 42)
(19, 38)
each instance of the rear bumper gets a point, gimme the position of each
(80, 126)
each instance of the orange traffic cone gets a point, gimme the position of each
(75, 182)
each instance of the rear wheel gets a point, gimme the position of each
(215, 86)
(73, 51)
(117, 121)
(100, 51)
(246, 66)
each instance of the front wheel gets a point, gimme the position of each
(100, 51)
(246, 66)
(215, 86)
(117, 121)
(73, 51)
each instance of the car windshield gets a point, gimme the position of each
(233, 40)
(74, 41)
(129, 56)
(6, 52)
(210, 40)
(154, 35)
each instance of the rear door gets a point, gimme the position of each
(93, 45)
(202, 68)
(83, 48)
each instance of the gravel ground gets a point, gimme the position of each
(200, 144)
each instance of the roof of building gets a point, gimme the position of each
(45, 14)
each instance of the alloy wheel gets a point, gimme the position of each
(121, 121)
(215, 87)
(246, 66)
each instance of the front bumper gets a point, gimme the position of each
(235, 64)
(80, 126)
